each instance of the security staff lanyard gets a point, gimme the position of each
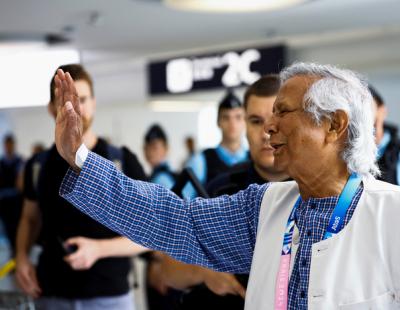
(336, 224)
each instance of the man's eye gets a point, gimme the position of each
(282, 112)
(256, 122)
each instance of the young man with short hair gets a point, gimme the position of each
(83, 265)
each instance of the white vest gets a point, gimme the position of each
(359, 268)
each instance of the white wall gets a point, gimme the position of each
(123, 124)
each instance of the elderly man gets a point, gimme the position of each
(322, 241)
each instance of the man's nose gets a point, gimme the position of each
(270, 126)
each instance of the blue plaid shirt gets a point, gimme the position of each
(218, 233)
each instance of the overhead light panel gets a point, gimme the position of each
(233, 6)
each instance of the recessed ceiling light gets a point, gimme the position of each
(231, 5)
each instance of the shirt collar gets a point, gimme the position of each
(232, 158)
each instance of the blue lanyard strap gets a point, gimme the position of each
(336, 222)
(337, 219)
(287, 238)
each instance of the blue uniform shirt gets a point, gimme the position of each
(198, 164)
(163, 175)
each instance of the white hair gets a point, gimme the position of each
(339, 89)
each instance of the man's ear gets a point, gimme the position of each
(51, 108)
(338, 125)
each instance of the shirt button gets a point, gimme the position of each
(302, 294)
(309, 233)
(313, 206)
(304, 262)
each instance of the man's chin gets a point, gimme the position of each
(267, 165)
(266, 159)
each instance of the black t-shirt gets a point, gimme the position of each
(239, 177)
(9, 169)
(61, 220)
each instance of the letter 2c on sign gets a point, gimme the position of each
(238, 70)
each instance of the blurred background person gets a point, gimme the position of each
(83, 265)
(156, 153)
(258, 101)
(38, 148)
(387, 139)
(211, 162)
(11, 167)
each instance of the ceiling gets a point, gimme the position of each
(146, 27)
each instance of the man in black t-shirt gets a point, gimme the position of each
(83, 265)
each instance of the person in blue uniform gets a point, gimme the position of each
(388, 142)
(156, 151)
(214, 161)
(11, 166)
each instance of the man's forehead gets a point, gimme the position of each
(300, 82)
(256, 102)
(296, 86)
(84, 91)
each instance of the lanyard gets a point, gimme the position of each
(336, 224)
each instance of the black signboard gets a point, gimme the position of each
(225, 69)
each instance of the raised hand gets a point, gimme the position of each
(69, 130)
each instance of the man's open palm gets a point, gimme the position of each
(69, 130)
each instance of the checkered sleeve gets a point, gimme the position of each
(217, 233)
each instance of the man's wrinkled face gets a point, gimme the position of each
(232, 123)
(297, 140)
(258, 112)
